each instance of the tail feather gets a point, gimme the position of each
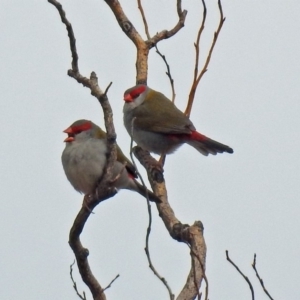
(206, 145)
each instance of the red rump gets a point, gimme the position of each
(198, 136)
(194, 136)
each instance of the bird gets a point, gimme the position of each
(158, 126)
(84, 159)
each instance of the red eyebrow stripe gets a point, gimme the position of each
(82, 127)
(134, 93)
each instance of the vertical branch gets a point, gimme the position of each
(147, 248)
(198, 76)
(157, 51)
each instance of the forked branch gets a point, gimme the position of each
(143, 46)
(157, 50)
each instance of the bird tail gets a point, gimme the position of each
(206, 145)
(144, 191)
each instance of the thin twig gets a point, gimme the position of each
(205, 66)
(74, 283)
(144, 19)
(197, 44)
(245, 277)
(168, 73)
(111, 282)
(260, 280)
(70, 34)
(147, 249)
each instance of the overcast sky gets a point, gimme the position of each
(248, 201)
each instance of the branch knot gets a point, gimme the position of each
(126, 26)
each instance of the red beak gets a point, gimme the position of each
(70, 133)
(128, 98)
(68, 130)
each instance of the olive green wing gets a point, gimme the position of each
(168, 119)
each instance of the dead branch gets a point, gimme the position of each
(204, 275)
(168, 73)
(192, 235)
(197, 75)
(147, 248)
(103, 190)
(245, 277)
(142, 46)
(110, 284)
(144, 19)
(259, 278)
(74, 283)
(157, 51)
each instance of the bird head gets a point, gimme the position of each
(82, 130)
(136, 95)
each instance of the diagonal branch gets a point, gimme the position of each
(259, 279)
(244, 276)
(197, 75)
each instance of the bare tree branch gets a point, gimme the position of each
(192, 235)
(142, 46)
(144, 19)
(189, 234)
(260, 280)
(204, 275)
(104, 190)
(198, 76)
(165, 34)
(132, 33)
(147, 248)
(168, 73)
(110, 284)
(74, 283)
(70, 34)
(245, 277)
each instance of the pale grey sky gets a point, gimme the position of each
(248, 201)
